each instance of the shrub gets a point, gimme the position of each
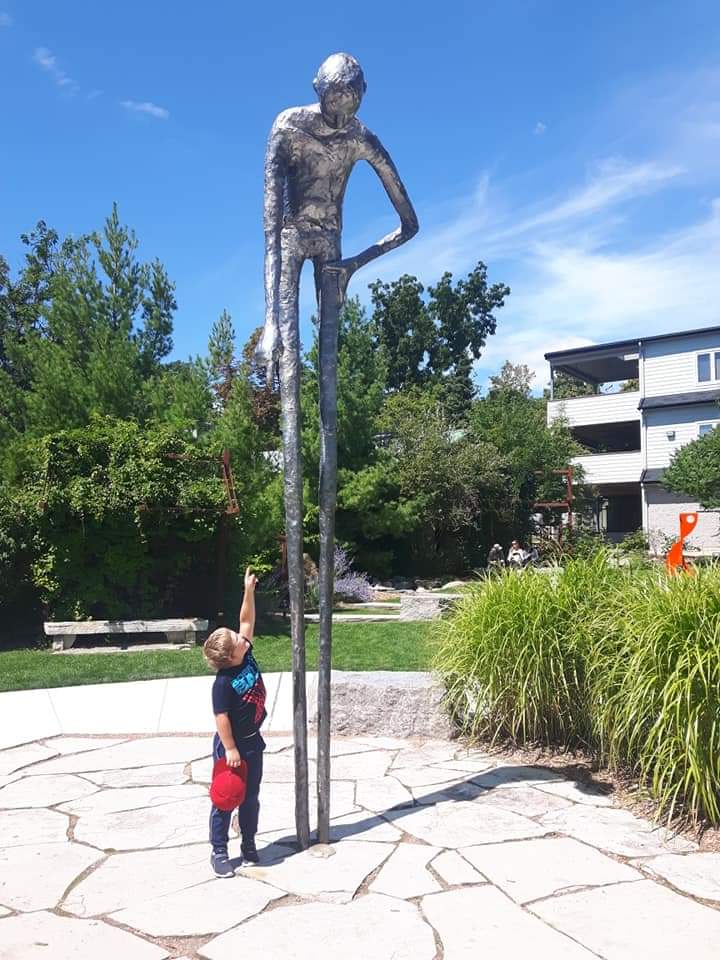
(654, 679)
(634, 543)
(517, 645)
(120, 523)
(351, 585)
(620, 658)
(15, 542)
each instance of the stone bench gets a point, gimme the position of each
(65, 632)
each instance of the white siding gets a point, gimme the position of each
(670, 366)
(611, 467)
(683, 420)
(584, 411)
(663, 510)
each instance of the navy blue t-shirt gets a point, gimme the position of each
(240, 692)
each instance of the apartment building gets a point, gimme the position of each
(632, 433)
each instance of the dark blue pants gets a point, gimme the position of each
(251, 750)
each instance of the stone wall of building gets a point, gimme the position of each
(663, 510)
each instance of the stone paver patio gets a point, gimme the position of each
(438, 852)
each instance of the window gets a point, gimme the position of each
(705, 428)
(708, 367)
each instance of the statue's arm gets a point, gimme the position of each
(275, 173)
(379, 159)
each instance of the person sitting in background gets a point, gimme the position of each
(515, 555)
(495, 557)
(532, 557)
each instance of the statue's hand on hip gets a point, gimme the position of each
(340, 271)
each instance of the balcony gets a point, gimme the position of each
(596, 409)
(602, 468)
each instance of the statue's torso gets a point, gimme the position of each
(318, 162)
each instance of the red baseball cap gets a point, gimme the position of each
(227, 789)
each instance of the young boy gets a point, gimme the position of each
(238, 697)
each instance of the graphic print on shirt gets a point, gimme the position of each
(249, 686)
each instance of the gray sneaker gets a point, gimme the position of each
(221, 864)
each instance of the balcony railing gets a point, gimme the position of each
(597, 408)
(611, 467)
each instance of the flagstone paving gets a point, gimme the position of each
(437, 852)
(695, 873)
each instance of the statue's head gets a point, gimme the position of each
(340, 85)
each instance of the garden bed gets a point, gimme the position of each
(621, 661)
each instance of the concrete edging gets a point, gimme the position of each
(394, 704)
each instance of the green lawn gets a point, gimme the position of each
(356, 646)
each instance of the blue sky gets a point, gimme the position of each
(573, 147)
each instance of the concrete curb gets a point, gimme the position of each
(396, 704)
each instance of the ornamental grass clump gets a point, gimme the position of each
(513, 652)
(654, 687)
(622, 659)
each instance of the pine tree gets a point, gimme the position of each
(222, 367)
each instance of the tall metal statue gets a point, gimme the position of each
(310, 155)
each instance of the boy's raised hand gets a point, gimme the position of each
(250, 580)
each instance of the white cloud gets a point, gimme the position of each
(145, 106)
(612, 181)
(540, 128)
(47, 61)
(5, 20)
(44, 58)
(490, 228)
(571, 293)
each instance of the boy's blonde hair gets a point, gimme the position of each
(218, 648)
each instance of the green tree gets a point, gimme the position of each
(436, 340)
(695, 470)
(361, 379)
(84, 360)
(405, 332)
(82, 328)
(265, 396)
(514, 421)
(179, 396)
(565, 387)
(257, 476)
(22, 302)
(449, 478)
(515, 377)
(98, 515)
(121, 521)
(222, 366)
(463, 315)
(154, 338)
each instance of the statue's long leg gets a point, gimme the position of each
(291, 426)
(330, 304)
